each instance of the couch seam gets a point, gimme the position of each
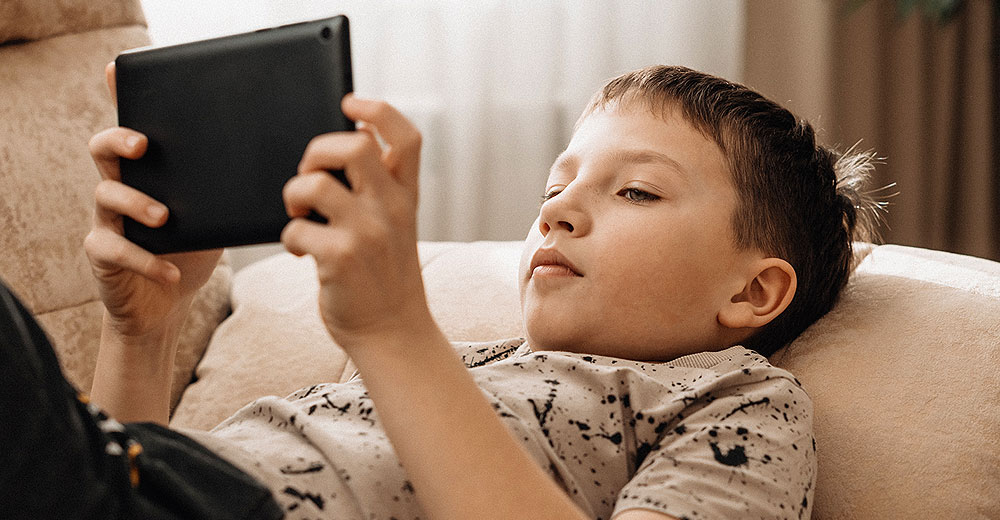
(24, 41)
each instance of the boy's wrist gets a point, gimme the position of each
(406, 343)
(159, 334)
(153, 349)
(159, 337)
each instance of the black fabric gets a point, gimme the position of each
(62, 458)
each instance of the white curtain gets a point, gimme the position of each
(495, 86)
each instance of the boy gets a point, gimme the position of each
(687, 215)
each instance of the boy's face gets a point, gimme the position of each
(632, 254)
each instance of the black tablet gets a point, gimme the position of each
(227, 120)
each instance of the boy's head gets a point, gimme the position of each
(692, 210)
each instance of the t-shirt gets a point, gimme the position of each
(710, 435)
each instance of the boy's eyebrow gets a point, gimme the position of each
(564, 162)
(646, 156)
(627, 156)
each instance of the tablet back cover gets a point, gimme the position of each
(228, 120)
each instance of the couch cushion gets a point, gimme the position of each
(903, 376)
(472, 288)
(273, 343)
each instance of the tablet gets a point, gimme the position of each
(228, 120)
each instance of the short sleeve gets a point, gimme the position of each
(744, 451)
(483, 353)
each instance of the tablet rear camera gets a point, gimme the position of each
(326, 33)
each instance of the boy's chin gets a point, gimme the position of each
(576, 342)
(555, 340)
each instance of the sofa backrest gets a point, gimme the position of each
(53, 98)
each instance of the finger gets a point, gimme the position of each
(402, 139)
(315, 191)
(357, 153)
(108, 146)
(305, 237)
(109, 75)
(110, 251)
(393, 126)
(115, 199)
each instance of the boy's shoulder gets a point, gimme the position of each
(736, 359)
(731, 366)
(735, 367)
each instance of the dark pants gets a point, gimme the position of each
(62, 458)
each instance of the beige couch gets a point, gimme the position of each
(903, 371)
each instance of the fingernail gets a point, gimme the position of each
(351, 97)
(131, 141)
(156, 212)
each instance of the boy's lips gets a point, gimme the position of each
(553, 262)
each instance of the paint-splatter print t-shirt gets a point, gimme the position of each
(710, 435)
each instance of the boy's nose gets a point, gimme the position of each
(565, 212)
(545, 227)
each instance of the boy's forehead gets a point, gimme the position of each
(652, 116)
(667, 109)
(633, 133)
(662, 107)
(659, 134)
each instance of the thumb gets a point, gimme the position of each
(109, 76)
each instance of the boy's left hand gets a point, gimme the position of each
(371, 289)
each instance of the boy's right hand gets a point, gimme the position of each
(143, 293)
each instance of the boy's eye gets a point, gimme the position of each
(552, 192)
(637, 195)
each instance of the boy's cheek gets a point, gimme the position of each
(534, 236)
(531, 244)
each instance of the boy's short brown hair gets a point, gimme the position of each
(796, 200)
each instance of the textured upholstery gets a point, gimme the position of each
(53, 98)
(38, 19)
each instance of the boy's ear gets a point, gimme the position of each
(768, 291)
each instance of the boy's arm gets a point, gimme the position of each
(146, 297)
(133, 375)
(461, 459)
